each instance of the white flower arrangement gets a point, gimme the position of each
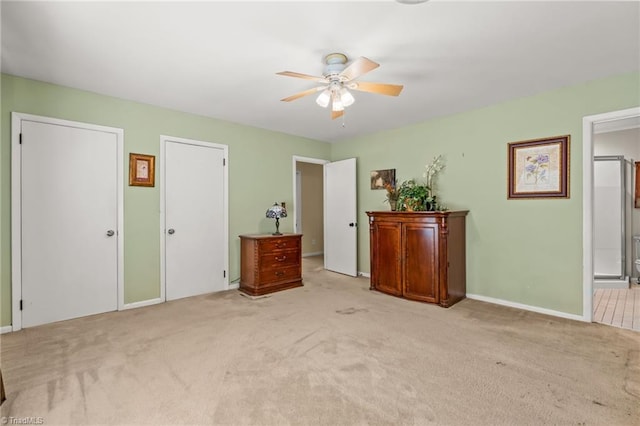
(432, 170)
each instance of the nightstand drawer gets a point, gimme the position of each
(274, 244)
(279, 274)
(280, 259)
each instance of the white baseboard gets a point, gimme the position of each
(364, 274)
(526, 307)
(234, 286)
(6, 329)
(141, 304)
(603, 283)
(315, 253)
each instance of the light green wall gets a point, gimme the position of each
(524, 251)
(260, 172)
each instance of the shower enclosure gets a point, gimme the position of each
(610, 221)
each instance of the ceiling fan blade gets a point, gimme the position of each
(380, 88)
(302, 94)
(359, 67)
(299, 75)
(336, 114)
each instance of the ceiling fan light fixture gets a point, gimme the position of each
(346, 97)
(324, 98)
(339, 79)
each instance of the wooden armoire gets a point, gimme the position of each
(419, 255)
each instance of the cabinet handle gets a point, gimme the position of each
(279, 273)
(281, 245)
(281, 259)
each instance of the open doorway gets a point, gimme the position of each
(611, 143)
(308, 205)
(309, 208)
(339, 213)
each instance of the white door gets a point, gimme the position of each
(340, 229)
(69, 222)
(195, 221)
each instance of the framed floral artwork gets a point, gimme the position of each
(141, 170)
(539, 168)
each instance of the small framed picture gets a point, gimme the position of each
(381, 178)
(142, 170)
(539, 168)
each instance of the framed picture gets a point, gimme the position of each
(539, 168)
(142, 170)
(380, 178)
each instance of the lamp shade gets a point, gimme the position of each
(276, 211)
(324, 98)
(346, 97)
(337, 104)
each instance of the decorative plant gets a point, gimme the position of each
(412, 196)
(415, 196)
(392, 191)
(433, 169)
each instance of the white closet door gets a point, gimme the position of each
(69, 222)
(195, 243)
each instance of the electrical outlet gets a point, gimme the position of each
(313, 242)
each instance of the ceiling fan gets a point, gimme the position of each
(338, 79)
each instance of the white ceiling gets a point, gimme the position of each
(219, 59)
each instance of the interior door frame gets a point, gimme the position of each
(296, 159)
(588, 124)
(16, 205)
(225, 199)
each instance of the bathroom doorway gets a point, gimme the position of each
(612, 207)
(615, 267)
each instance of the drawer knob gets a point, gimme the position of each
(281, 245)
(279, 273)
(281, 259)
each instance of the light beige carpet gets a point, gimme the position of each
(331, 353)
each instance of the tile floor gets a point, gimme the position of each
(617, 307)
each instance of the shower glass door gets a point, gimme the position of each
(609, 217)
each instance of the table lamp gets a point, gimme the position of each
(277, 211)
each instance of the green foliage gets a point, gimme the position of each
(413, 196)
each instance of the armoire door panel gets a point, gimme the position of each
(421, 270)
(387, 258)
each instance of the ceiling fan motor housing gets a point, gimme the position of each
(335, 64)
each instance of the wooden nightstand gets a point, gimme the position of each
(270, 263)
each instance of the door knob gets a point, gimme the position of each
(171, 231)
(110, 233)
(353, 224)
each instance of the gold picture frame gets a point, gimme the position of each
(142, 170)
(539, 168)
